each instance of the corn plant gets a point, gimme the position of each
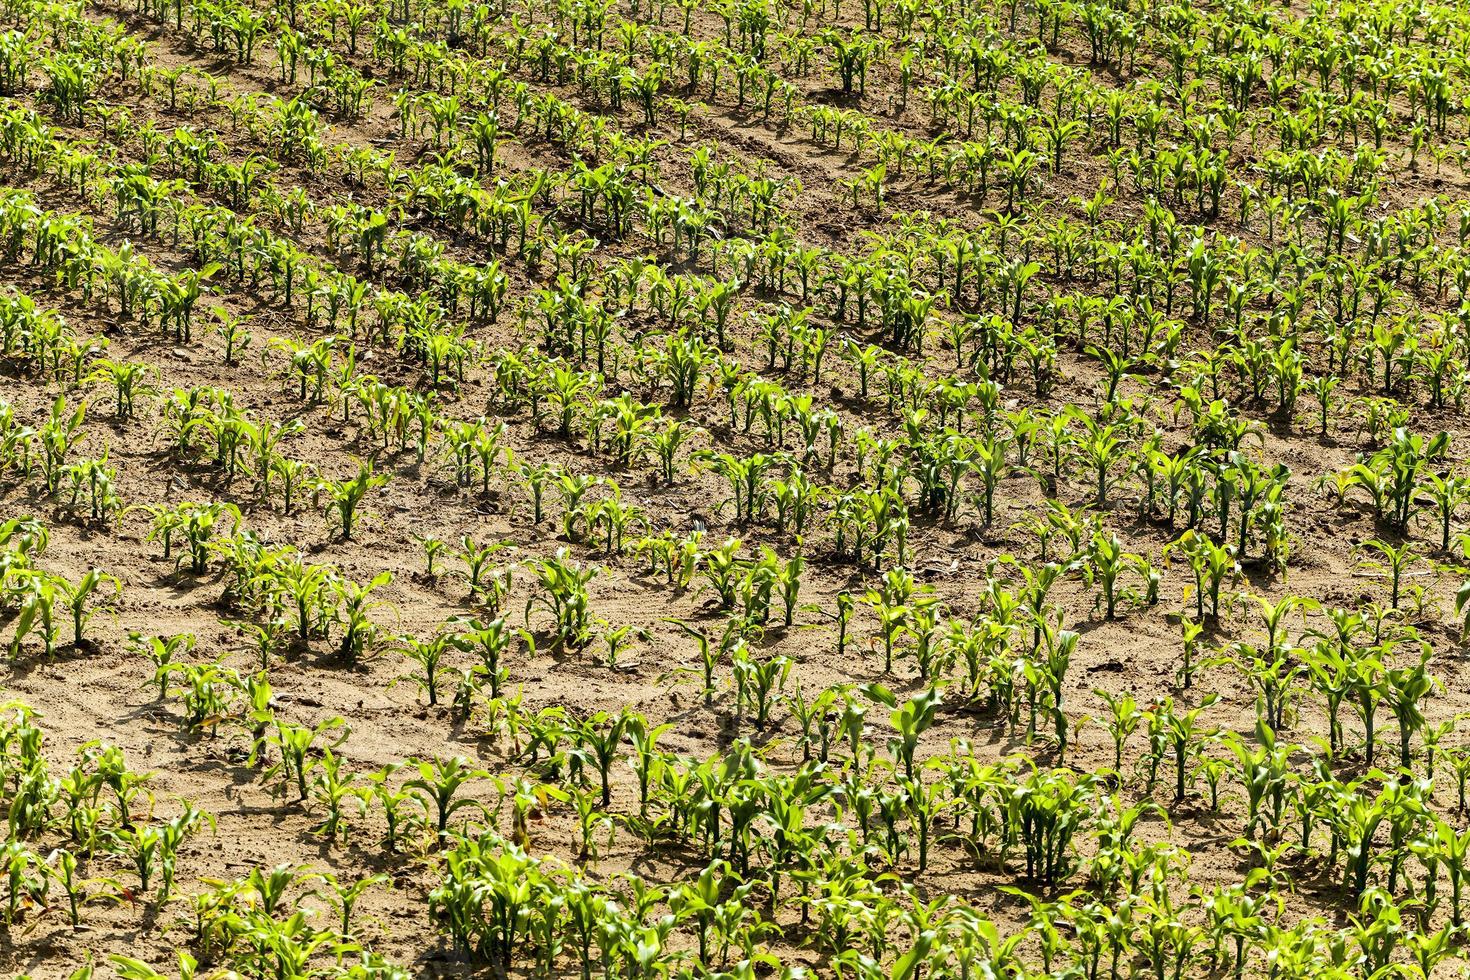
(758, 683)
(1106, 563)
(58, 436)
(1211, 565)
(428, 655)
(1395, 561)
(295, 745)
(34, 596)
(1044, 811)
(565, 598)
(1405, 689)
(437, 784)
(196, 524)
(127, 379)
(344, 497)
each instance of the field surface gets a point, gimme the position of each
(734, 488)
